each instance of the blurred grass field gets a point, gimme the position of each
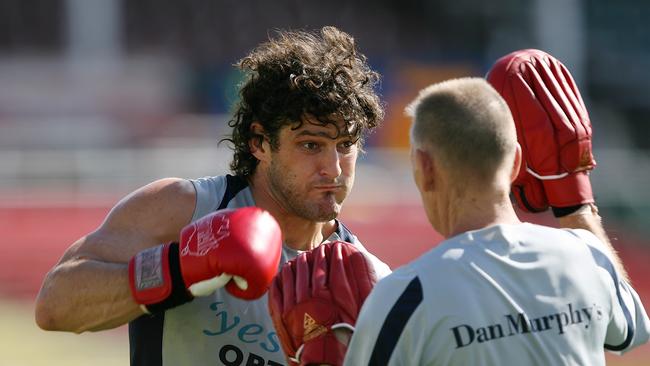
(22, 343)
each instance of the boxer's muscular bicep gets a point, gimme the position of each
(151, 215)
(88, 289)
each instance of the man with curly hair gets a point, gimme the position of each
(305, 107)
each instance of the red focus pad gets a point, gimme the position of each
(245, 242)
(316, 292)
(553, 129)
(529, 193)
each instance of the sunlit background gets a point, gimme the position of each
(99, 97)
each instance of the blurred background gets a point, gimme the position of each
(99, 97)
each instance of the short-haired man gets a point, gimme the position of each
(497, 291)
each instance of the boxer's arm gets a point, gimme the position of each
(89, 288)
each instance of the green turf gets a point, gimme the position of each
(22, 343)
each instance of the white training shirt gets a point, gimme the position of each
(505, 295)
(219, 329)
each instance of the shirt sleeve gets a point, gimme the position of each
(629, 325)
(209, 191)
(382, 331)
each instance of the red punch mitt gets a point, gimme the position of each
(314, 294)
(553, 129)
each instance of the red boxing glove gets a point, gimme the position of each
(242, 245)
(316, 293)
(553, 129)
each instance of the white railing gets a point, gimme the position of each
(621, 178)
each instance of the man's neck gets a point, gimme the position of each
(475, 211)
(298, 233)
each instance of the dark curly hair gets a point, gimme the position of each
(298, 73)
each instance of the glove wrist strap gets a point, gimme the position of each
(179, 294)
(566, 211)
(156, 280)
(573, 190)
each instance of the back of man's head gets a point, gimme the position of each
(466, 125)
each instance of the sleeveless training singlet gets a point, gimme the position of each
(218, 329)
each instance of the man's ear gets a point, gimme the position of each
(427, 167)
(259, 144)
(516, 164)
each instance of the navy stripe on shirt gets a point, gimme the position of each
(344, 233)
(145, 340)
(234, 185)
(395, 322)
(603, 261)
